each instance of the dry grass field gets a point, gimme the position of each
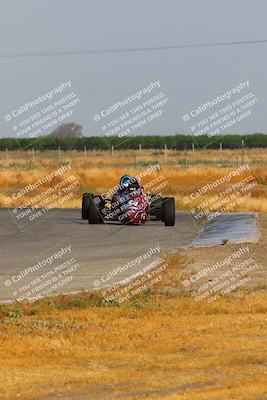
(98, 171)
(163, 347)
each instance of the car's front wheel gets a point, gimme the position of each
(169, 211)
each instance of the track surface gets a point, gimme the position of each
(233, 227)
(98, 249)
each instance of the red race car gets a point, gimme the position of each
(128, 205)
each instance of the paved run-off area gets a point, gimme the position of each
(89, 256)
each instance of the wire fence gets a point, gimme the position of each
(187, 158)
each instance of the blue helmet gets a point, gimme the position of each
(125, 181)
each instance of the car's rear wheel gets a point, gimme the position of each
(169, 211)
(85, 205)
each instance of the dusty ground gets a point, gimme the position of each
(159, 346)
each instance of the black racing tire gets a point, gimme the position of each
(93, 212)
(155, 208)
(85, 205)
(169, 211)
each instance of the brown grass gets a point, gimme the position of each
(166, 348)
(100, 171)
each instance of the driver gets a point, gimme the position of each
(127, 185)
(124, 185)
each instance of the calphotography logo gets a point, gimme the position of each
(40, 115)
(51, 273)
(135, 262)
(215, 199)
(222, 112)
(43, 197)
(126, 116)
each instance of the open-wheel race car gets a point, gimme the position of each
(128, 205)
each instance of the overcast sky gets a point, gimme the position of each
(189, 75)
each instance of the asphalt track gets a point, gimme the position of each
(97, 249)
(61, 253)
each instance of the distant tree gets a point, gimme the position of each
(67, 130)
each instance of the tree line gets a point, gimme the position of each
(177, 142)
